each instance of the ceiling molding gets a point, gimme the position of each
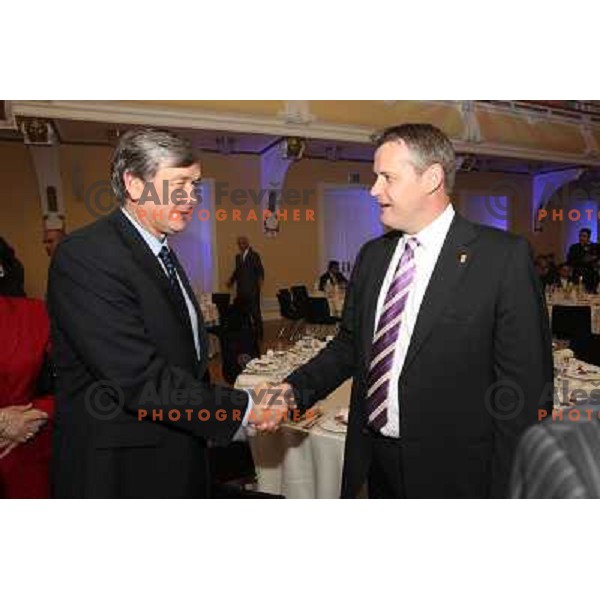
(167, 117)
(531, 113)
(115, 112)
(525, 153)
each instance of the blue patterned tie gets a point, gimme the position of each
(167, 259)
(386, 336)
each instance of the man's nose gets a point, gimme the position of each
(375, 189)
(192, 194)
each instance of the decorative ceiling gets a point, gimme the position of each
(527, 136)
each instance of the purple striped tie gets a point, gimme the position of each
(386, 335)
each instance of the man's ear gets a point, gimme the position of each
(434, 178)
(134, 186)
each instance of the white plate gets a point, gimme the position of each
(333, 426)
(583, 376)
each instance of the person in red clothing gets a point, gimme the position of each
(25, 401)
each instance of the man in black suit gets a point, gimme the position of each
(332, 275)
(583, 258)
(133, 415)
(248, 276)
(444, 333)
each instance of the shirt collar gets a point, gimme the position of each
(154, 243)
(433, 236)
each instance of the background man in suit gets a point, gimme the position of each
(444, 332)
(52, 237)
(248, 276)
(564, 278)
(332, 275)
(132, 414)
(583, 258)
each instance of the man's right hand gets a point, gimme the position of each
(272, 403)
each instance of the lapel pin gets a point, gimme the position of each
(462, 257)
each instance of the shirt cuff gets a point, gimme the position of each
(241, 435)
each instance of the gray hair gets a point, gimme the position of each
(429, 146)
(142, 152)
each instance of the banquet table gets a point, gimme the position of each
(296, 462)
(576, 383)
(307, 463)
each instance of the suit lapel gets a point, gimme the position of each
(453, 262)
(150, 264)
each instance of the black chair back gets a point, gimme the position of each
(238, 348)
(286, 308)
(571, 322)
(238, 342)
(300, 299)
(222, 303)
(587, 349)
(318, 312)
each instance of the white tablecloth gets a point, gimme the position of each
(303, 464)
(293, 462)
(308, 464)
(575, 381)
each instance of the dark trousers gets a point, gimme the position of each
(385, 479)
(251, 304)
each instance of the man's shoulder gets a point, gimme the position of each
(497, 239)
(97, 229)
(100, 237)
(380, 242)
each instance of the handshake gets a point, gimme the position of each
(272, 405)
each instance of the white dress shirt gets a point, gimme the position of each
(431, 239)
(156, 246)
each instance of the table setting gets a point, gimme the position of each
(576, 383)
(304, 458)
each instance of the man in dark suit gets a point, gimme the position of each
(133, 415)
(248, 276)
(583, 258)
(444, 332)
(332, 276)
